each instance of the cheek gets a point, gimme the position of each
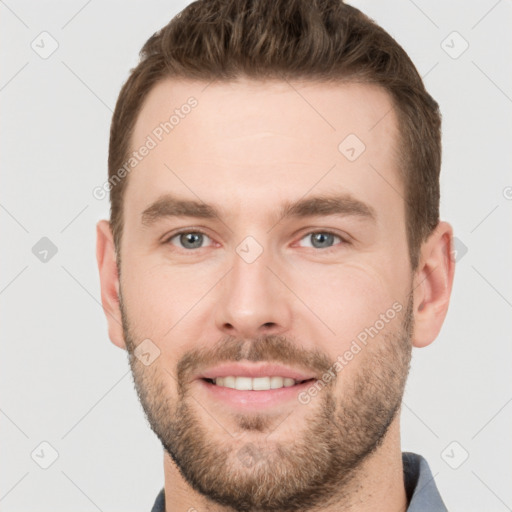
(159, 298)
(347, 298)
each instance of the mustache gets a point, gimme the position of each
(266, 348)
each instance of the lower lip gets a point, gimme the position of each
(255, 399)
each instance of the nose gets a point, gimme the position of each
(252, 300)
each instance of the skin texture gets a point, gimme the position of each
(247, 148)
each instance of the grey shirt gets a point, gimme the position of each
(420, 487)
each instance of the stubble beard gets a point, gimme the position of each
(313, 470)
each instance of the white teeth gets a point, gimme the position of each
(276, 382)
(243, 383)
(256, 384)
(229, 382)
(260, 383)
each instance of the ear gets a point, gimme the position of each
(433, 285)
(109, 282)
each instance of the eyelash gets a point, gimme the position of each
(344, 241)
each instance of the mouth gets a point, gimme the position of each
(247, 386)
(245, 394)
(243, 383)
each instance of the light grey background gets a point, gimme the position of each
(63, 381)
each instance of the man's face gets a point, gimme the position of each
(258, 272)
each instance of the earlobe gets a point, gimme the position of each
(109, 282)
(433, 285)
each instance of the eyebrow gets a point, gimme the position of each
(324, 205)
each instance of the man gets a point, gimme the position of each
(274, 252)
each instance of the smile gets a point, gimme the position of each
(255, 384)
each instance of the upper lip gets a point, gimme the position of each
(254, 370)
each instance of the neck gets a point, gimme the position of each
(378, 485)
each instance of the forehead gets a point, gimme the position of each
(262, 142)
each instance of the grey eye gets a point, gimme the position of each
(189, 240)
(321, 239)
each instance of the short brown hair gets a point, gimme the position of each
(313, 40)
